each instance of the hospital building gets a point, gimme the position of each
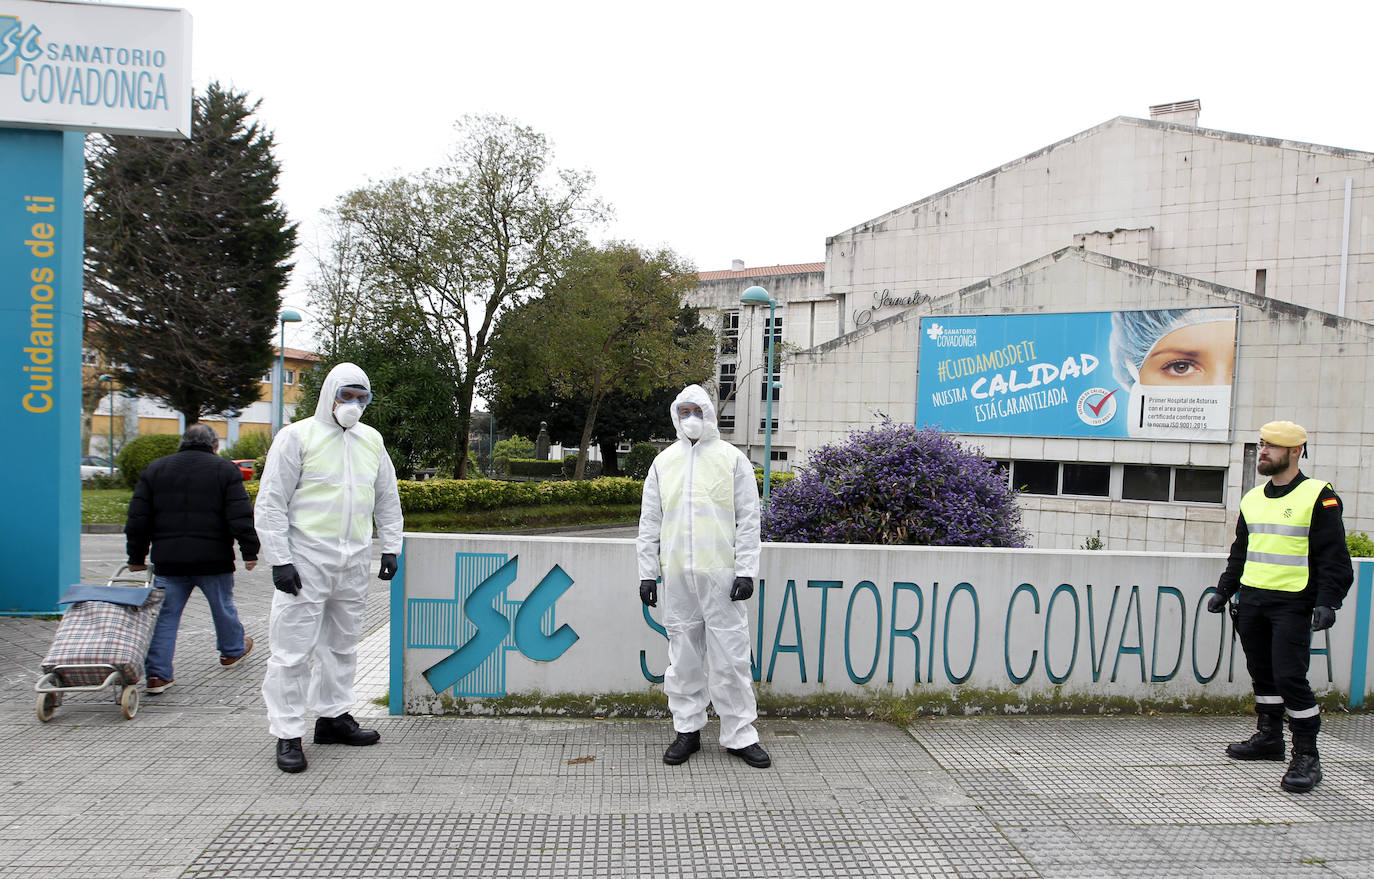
(1111, 318)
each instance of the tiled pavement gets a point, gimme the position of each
(187, 789)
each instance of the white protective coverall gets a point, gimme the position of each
(321, 489)
(699, 527)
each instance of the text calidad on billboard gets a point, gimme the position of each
(1162, 374)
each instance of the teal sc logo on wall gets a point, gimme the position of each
(17, 44)
(480, 624)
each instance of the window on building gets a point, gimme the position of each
(290, 376)
(776, 455)
(1036, 477)
(729, 333)
(1090, 480)
(727, 382)
(777, 386)
(1142, 482)
(1247, 473)
(1199, 486)
(763, 424)
(772, 326)
(726, 421)
(1261, 281)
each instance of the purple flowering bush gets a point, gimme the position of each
(895, 484)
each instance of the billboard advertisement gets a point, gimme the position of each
(95, 67)
(1159, 374)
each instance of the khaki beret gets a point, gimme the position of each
(1284, 433)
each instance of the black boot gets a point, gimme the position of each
(343, 730)
(685, 745)
(1267, 744)
(1305, 771)
(290, 756)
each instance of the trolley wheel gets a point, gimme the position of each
(128, 702)
(47, 703)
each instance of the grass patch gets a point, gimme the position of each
(108, 506)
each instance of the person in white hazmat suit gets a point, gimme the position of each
(326, 480)
(699, 529)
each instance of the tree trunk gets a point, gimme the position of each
(460, 469)
(587, 429)
(609, 465)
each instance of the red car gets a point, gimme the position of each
(247, 467)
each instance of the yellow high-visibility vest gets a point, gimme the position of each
(1276, 556)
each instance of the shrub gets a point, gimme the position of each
(514, 447)
(1361, 546)
(462, 495)
(248, 445)
(895, 484)
(532, 467)
(640, 459)
(141, 451)
(501, 464)
(774, 479)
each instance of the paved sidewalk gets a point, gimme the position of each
(188, 788)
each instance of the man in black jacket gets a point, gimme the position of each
(191, 506)
(1291, 568)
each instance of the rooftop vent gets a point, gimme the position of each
(1179, 112)
(736, 265)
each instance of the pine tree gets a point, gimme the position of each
(186, 257)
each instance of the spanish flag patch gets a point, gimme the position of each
(1330, 502)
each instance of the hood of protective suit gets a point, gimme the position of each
(697, 395)
(340, 375)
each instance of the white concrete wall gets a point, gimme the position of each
(1220, 206)
(850, 619)
(1293, 363)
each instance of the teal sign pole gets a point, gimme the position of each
(41, 243)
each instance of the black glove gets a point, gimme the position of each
(743, 589)
(1323, 617)
(388, 569)
(648, 592)
(285, 578)
(1217, 603)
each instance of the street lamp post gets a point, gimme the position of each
(759, 296)
(109, 418)
(287, 316)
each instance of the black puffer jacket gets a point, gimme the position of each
(191, 506)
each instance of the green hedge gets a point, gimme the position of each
(534, 467)
(437, 495)
(434, 495)
(141, 451)
(1361, 546)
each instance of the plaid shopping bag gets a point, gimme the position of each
(101, 632)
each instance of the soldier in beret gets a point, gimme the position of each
(1291, 568)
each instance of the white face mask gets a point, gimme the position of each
(693, 427)
(347, 414)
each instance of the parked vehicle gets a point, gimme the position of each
(248, 467)
(94, 465)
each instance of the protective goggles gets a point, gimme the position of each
(689, 411)
(353, 395)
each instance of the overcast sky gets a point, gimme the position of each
(755, 130)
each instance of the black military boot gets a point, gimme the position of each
(685, 745)
(1305, 771)
(1267, 744)
(343, 730)
(290, 757)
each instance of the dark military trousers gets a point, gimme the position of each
(1276, 633)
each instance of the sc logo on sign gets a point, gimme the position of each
(480, 624)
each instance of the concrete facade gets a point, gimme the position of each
(1131, 214)
(1292, 363)
(1208, 204)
